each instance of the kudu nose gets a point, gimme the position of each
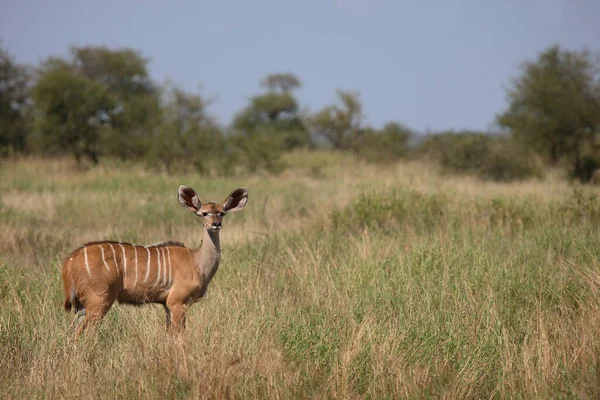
(216, 225)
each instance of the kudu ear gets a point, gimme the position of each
(236, 200)
(188, 198)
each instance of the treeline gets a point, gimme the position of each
(102, 103)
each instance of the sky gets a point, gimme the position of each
(431, 64)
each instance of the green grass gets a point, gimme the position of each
(332, 285)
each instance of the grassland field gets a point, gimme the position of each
(338, 280)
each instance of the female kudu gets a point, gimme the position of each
(98, 273)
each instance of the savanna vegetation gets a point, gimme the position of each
(101, 104)
(368, 263)
(333, 284)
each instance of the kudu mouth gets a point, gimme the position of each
(215, 227)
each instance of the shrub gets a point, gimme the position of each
(259, 150)
(508, 161)
(387, 211)
(488, 157)
(465, 153)
(387, 145)
(584, 169)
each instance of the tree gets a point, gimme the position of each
(108, 100)
(14, 94)
(186, 136)
(554, 107)
(124, 72)
(281, 82)
(275, 113)
(341, 126)
(71, 111)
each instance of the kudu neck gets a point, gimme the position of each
(211, 241)
(209, 254)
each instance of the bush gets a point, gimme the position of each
(488, 157)
(196, 147)
(507, 161)
(585, 168)
(259, 150)
(466, 152)
(387, 145)
(387, 211)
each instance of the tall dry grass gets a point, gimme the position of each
(338, 280)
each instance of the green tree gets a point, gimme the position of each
(341, 126)
(281, 82)
(186, 137)
(124, 72)
(115, 108)
(71, 111)
(554, 107)
(275, 113)
(14, 95)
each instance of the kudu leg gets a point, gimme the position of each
(168, 313)
(95, 311)
(178, 312)
(77, 319)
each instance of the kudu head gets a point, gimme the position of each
(212, 213)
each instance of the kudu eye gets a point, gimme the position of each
(204, 214)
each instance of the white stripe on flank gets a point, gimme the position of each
(148, 266)
(158, 275)
(104, 259)
(162, 250)
(114, 256)
(124, 263)
(87, 265)
(170, 268)
(136, 266)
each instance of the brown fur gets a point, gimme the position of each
(97, 274)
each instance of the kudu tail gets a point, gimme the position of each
(68, 285)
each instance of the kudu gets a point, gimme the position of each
(98, 273)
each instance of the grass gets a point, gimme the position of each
(338, 280)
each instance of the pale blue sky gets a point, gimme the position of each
(431, 64)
